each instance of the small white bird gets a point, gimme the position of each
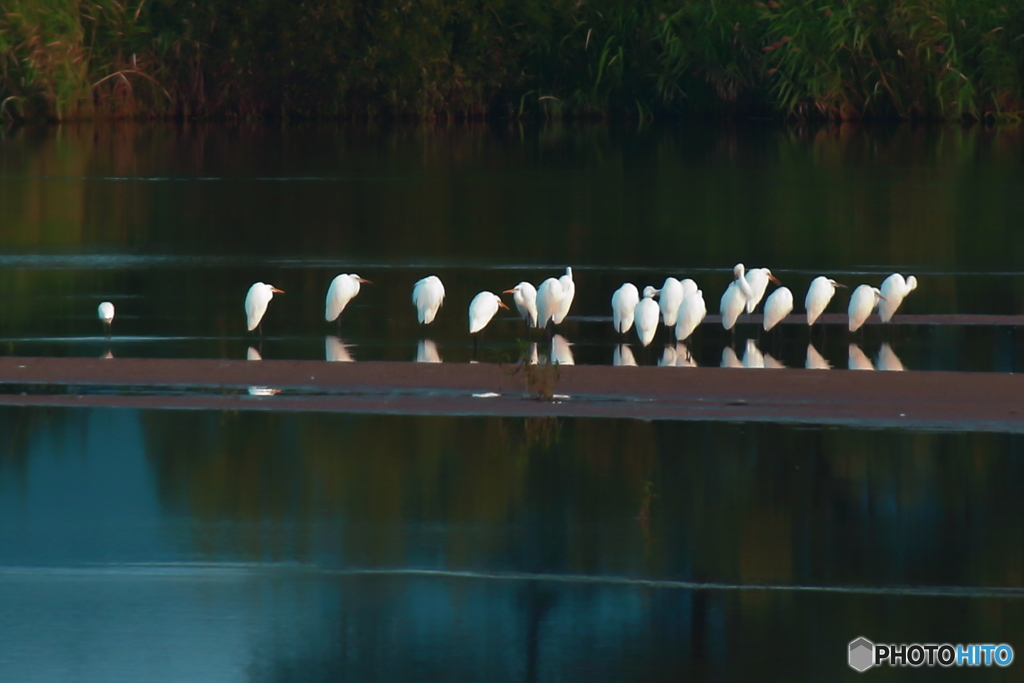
(342, 290)
(549, 298)
(816, 361)
(561, 351)
(894, 289)
(624, 300)
(691, 314)
(256, 302)
(858, 360)
(671, 297)
(106, 315)
(735, 298)
(623, 355)
(645, 316)
(888, 360)
(525, 297)
(568, 292)
(427, 297)
(862, 301)
(758, 279)
(820, 292)
(426, 352)
(777, 307)
(752, 356)
(336, 350)
(482, 308)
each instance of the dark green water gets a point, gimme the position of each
(173, 224)
(165, 546)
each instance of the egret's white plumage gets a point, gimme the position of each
(888, 360)
(525, 297)
(777, 307)
(342, 290)
(691, 314)
(426, 352)
(862, 301)
(105, 311)
(758, 279)
(645, 316)
(816, 361)
(689, 287)
(336, 350)
(427, 297)
(752, 356)
(820, 292)
(568, 292)
(894, 289)
(482, 308)
(256, 302)
(549, 298)
(561, 351)
(624, 300)
(735, 298)
(623, 355)
(858, 360)
(669, 301)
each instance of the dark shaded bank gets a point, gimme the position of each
(910, 400)
(879, 59)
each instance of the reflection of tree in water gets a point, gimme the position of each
(20, 427)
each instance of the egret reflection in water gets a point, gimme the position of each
(773, 364)
(858, 359)
(561, 351)
(623, 355)
(253, 354)
(888, 360)
(669, 357)
(816, 361)
(730, 359)
(336, 350)
(426, 352)
(684, 359)
(752, 356)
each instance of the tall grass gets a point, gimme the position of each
(908, 59)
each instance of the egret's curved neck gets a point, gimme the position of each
(744, 284)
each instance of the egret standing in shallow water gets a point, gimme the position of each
(342, 290)
(568, 292)
(624, 300)
(106, 315)
(482, 308)
(691, 314)
(862, 301)
(525, 297)
(758, 279)
(256, 302)
(777, 307)
(672, 296)
(549, 297)
(820, 292)
(645, 315)
(894, 289)
(735, 298)
(427, 296)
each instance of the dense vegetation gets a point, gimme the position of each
(909, 59)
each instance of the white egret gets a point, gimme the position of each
(729, 358)
(482, 308)
(623, 355)
(691, 313)
(525, 297)
(427, 296)
(777, 307)
(862, 301)
(342, 290)
(816, 361)
(549, 297)
(888, 360)
(820, 292)
(105, 311)
(624, 300)
(426, 352)
(752, 356)
(337, 351)
(894, 289)
(735, 298)
(645, 315)
(758, 279)
(689, 287)
(256, 302)
(561, 351)
(858, 360)
(568, 292)
(671, 297)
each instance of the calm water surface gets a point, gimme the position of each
(168, 546)
(172, 224)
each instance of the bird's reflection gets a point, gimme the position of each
(752, 356)
(683, 357)
(729, 358)
(426, 352)
(263, 391)
(859, 361)
(337, 350)
(772, 364)
(561, 352)
(816, 361)
(534, 358)
(623, 355)
(253, 354)
(888, 360)
(669, 357)
(107, 354)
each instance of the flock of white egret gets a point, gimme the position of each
(680, 304)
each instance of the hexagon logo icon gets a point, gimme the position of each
(862, 654)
